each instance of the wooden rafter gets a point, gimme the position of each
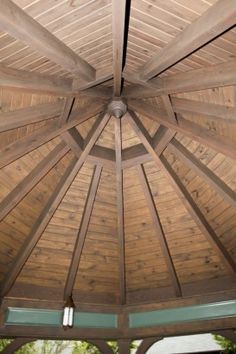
(120, 209)
(183, 194)
(21, 79)
(118, 30)
(52, 205)
(159, 230)
(216, 20)
(74, 140)
(202, 170)
(29, 115)
(78, 248)
(218, 75)
(32, 141)
(186, 127)
(226, 114)
(30, 181)
(162, 138)
(124, 346)
(23, 27)
(169, 109)
(65, 114)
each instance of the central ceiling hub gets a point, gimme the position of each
(117, 107)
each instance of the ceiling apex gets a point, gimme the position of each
(117, 107)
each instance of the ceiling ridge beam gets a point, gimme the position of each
(183, 194)
(213, 22)
(186, 127)
(29, 115)
(31, 180)
(120, 210)
(159, 230)
(217, 75)
(79, 244)
(30, 142)
(52, 204)
(118, 35)
(203, 171)
(20, 25)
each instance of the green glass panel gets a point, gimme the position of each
(183, 314)
(41, 317)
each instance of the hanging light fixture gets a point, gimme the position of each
(68, 313)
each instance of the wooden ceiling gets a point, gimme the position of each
(117, 211)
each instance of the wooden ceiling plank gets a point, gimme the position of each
(39, 226)
(29, 115)
(78, 248)
(216, 111)
(31, 180)
(213, 22)
(186, 127)
(41, 136)
(30, 81)
(202, 170)
(118, 32)
(120, 210)
(186, 198)
(20, 25)
(159, 230)
(53, 202)
(217, 75)
(66, 111)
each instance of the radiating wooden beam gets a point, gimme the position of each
(182, 192)
(217, 75)
(186, 127)
(118, 32)
(31, 81)
(20, 25)
(66, 110)
(226, 114)
(20, 147)
(216, 20)
(16, 344)
(30, 181)
(159, 230)
(52, 204)
(74, 140)
(29, 115)
(78, 248)
(169, 109)
(203, 171)
(120, 210)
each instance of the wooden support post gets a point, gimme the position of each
(124, 346)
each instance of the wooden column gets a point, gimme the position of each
(124, 346)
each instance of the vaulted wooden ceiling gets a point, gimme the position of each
(117, 211)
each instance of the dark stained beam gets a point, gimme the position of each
(215, 111)
(202, 170)
(30, 181)
(218, 75)
(159, 230)
(124, 346)
(186, 127)
(118, 32)
(183, 194)
(78, 248)
(146, 344)
(21, 79)
(16, 344)
(52, 204)
(216, 20)
(120, 210)
(17, 149)
(20, 25)
(29, 115)
(66, 111)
